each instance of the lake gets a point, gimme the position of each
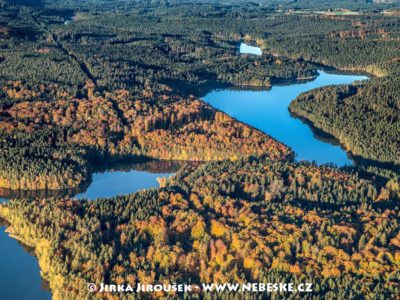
(108, 181)
(127, 179)
(20, 275)
(265, 110)
(268, 111)
(247, 49)
(109, 184)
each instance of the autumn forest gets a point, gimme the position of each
(94, 82)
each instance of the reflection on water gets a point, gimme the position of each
(39, 194)
(150, 166)
(109, 184)
(19, 277)
(265, 110)
(107, 181)
(268, 111)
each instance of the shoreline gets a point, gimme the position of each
(27, 247)
(45, 276)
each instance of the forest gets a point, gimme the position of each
(94, 81)
(68, 56)
(251, 220)
(54, 145)
(357, 114)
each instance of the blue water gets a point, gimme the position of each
(268, 111)
(19, 275)
(265, 110)
(121, 179)
(246, 49)
(19, 270)
(114, 183)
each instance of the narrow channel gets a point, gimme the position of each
(268, 111)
